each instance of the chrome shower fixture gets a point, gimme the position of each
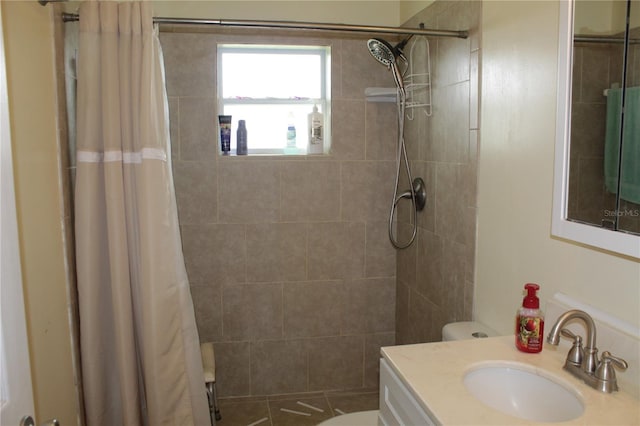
(386, 54)
(382, 51)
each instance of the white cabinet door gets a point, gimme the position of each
(398, 407)
(16, 395)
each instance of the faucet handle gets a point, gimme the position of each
(576, 352)
(618, 362)
(606, 374)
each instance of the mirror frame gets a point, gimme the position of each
(614, 241)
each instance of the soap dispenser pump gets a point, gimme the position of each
(530, 322)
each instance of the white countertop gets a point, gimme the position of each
(434, 373)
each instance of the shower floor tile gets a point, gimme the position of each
(306, 409)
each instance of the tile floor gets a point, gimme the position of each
(306, 409)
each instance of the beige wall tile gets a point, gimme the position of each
(252, 311)
(310, 191)
(381, 129)
(278, 366)
(249, 191)
(406, 259)
(190, 63)
(214, 253)
(336, 250)
(453, 273)
(430, 268)
(451, 204)
(312, 309)
(348, 129)
(336, 362)
(276, 252)
(368, 306)
(367, 189)
(380, 256)
(402, 313)
(207, 304)
(450, 123)
(196, 192)
(372, 345)
(452, 64)
(198, 140)
(233, 372)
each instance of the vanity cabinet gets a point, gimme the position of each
(398, 406)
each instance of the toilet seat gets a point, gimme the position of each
(359, 418)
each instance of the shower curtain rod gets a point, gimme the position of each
(603, 39)
(70, 17)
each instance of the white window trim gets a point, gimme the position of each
(324, 102)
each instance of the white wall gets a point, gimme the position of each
(519, 76)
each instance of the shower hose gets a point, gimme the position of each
(401, 158)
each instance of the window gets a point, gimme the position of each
(272, 87)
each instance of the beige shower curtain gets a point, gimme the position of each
(139, 344)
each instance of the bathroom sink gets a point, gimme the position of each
(523, 391)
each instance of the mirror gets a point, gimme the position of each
(597, 170)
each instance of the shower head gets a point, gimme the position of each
(382, 51)
(386, 54)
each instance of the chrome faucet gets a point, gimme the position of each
(583, 363)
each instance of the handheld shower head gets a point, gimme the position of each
(386, 54)
(382, 51)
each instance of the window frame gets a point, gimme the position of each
(323, 103)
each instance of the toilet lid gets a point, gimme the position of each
(360, 418)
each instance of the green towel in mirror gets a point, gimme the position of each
(630, 180)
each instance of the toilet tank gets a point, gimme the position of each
(466, 330)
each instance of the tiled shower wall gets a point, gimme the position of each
(291, 271)
(435, 276)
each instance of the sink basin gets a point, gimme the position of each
(524, 392)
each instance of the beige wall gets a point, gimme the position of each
(383, 12)
(32, 101)
(519, 45)
(410, 8)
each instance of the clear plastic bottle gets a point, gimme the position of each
(291, 132)
(241, 138)
(530, 322)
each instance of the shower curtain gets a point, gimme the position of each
(140, 353)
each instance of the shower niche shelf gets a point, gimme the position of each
(380, 94)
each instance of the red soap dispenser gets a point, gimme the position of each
(530, 322)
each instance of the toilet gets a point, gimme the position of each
(359, 418)
(453, 331)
